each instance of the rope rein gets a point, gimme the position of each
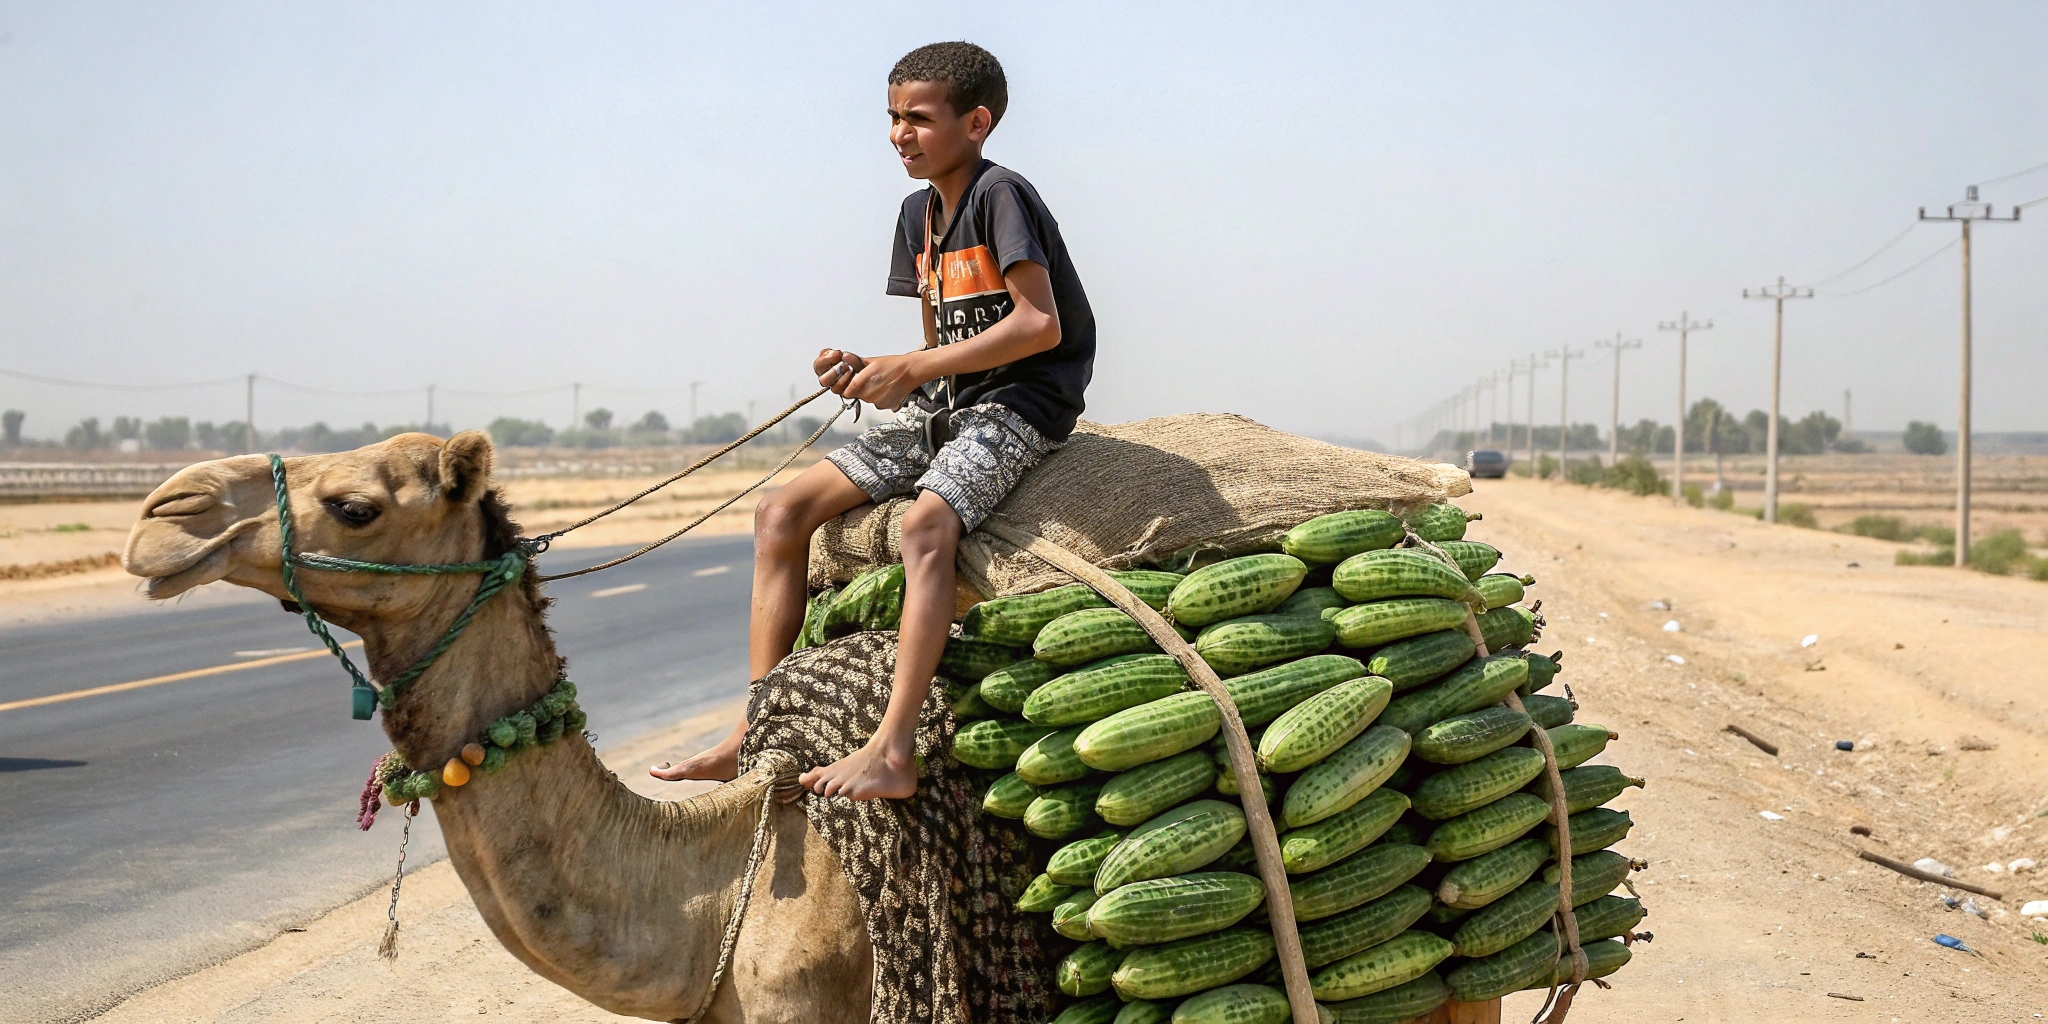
(729, 941)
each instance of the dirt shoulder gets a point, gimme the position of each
(1755, 919)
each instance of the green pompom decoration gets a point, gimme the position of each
(395, 790)
(422, 786)
(526, 725)
(552, 731)
(576, 719)
(494, 759)
(566, 689)
(503, 733)
(538, 710)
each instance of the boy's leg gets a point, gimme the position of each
(783, 524)
(885, 766)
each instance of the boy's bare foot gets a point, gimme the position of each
(866, 774)
(719, 764)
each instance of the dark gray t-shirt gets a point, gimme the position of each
(1000, 223)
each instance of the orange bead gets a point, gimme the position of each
(472, 754)
(454, 773)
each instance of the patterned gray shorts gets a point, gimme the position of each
(992, 448)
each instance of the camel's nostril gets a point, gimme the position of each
(182, 505)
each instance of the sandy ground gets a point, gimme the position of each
(1755, 919)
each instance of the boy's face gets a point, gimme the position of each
(931, 138)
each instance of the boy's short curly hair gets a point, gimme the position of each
(972, 76)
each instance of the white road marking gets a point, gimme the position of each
(270, 652)
(713, 571)
(630, 588)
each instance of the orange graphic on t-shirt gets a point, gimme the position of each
(968, 272)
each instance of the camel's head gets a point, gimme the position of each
(412, 499)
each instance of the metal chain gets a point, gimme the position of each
(388, 948)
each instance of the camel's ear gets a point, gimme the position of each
(466, 466)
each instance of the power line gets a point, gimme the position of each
(1865, 261)
(2015, 174)
(63, 382)
(309, 389)
(2031, 202)
(1923, 261)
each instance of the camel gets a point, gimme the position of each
(620, 899)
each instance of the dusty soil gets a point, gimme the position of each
(2007, 492)
(1755, 919)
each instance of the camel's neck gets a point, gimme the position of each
(616, 897)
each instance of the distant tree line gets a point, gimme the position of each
(1710, 427)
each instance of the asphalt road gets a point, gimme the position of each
(151, 831)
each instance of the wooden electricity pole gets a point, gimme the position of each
(1530, 434)
(1684, 326)
(1777, 293)
(1564, 354)
(1614, 414)
(1964, 213)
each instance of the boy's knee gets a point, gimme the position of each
(778, 520)
(930, 528)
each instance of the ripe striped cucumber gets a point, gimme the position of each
(1008, 797)
(1420, 659)
(1238, 858)
(1602, 959)
(1233, 587)
(1143, 1011)
(1548, 712)
(1476, 783)
(1586, 787)
(1336, 937)
(1396, 618)
(1487, 829)
(1410, 830)
(1042, 895)
(1316, 727)
(811, 634)
(1312, 602)
(1191, 965)
(1397, 961)
(1070, 916)
(1517, 967)
(1236, 646)
(873, 601)
(1090, 634)
(1366, 875)
(1164, 909)
(1014, 621)
(967, 700)
(1345, 777)
(1471, 884)
(1507, 920)
(1148, 732)
(1075, 863)
(994, 743)
(1063, 810)
(1183, 839)
(1052, 760)
(966, 658)
(1329, 539)
(1440, 521)
(1133, 796)
(1593, 874)
(1102, 1009)
(1504, 628)
(1342, 834)
(1105, 688)
(1574, 745)
(1503, 588)
(1226, 781)
(1472, 556)
(1607, 917)
(1401, 572)
(1543, 668)
(1235, 1004)
(1592, 830)
(1086, 970)
(1007, 687)
(1479, 683)
(1396, 1005)
(1472, 735)
(1263, 695)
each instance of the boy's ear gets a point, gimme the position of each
(980, 122)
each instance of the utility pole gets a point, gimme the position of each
(1509, 423)
(694, 385)
(1564, 356)
(1963, 213)
(1530, 434)
(1848, 422)
(1618, 344)
(1777, 293)
(249, 415)
(575, 404)
(1684, 325)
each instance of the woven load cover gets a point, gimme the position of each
(1169, 493)
(937, 879)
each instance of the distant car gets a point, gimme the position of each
(1486, 463)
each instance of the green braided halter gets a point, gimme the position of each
(497, 573)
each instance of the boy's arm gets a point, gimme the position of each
(1032, 327)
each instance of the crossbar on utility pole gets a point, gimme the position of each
(1617, 343)
(1564, 354)
(1684, 325)
(1965, 213)
(1777, 293)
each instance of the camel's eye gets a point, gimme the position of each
(353, 511)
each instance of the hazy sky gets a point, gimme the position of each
(1325, 218)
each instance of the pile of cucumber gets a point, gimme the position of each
(1413, 809)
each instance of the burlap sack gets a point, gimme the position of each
(1170, 493)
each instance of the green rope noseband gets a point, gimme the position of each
(497, 574)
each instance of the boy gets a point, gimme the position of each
(1009, 346)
